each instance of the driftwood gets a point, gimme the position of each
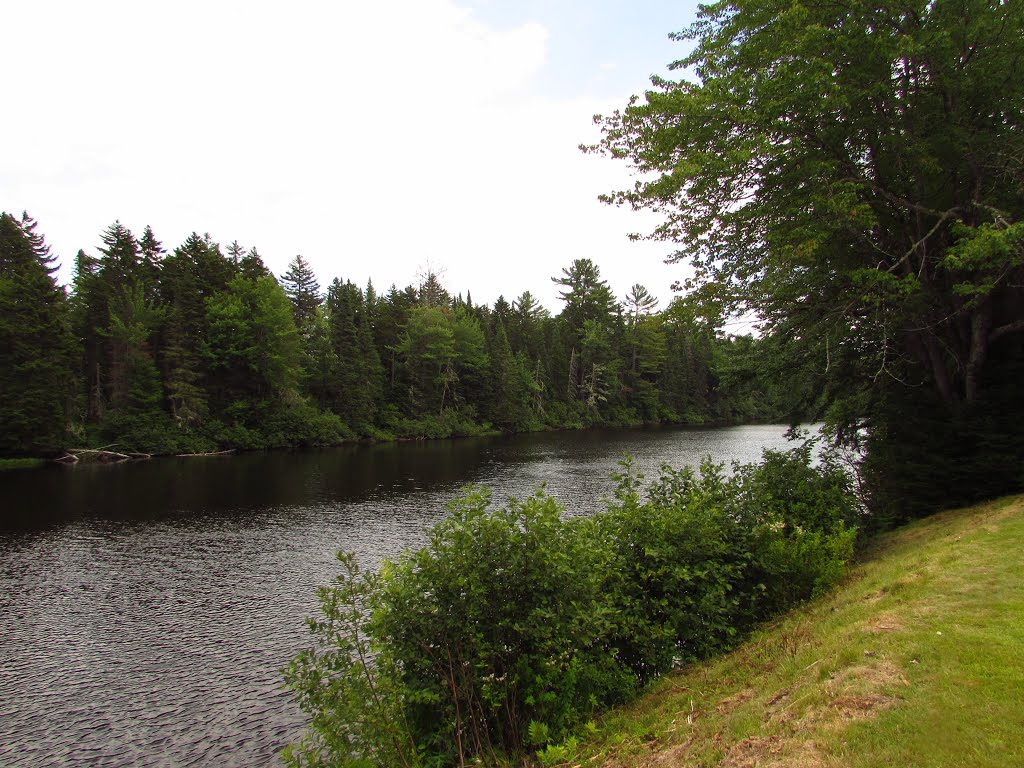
(104, 454)
(101, 454)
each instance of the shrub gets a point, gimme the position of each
(299, 424)
(676, 562)
(498, 624)
(513, 626)
(452, 422)
(149, 432)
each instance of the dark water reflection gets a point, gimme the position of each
(146, 609)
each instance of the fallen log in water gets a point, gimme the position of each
(208, 453)
(100, 454)
(104, 454)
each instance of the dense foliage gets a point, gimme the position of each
(854, 174)
(512, 627)
(35, 342)
(198, 349)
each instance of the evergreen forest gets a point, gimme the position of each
(200, 348)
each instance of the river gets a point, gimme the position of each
(147, 609)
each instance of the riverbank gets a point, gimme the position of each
(125, 448)
(21, 463)
(161, 563)
(914, 661)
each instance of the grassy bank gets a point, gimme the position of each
(915, 661)
(20, 463)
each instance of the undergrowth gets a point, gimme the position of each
(504, 637)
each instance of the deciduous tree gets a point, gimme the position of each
(853, 173)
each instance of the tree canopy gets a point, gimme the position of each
(35, 342)
(194, 348)
(853, 173)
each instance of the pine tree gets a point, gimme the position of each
(236, 252)
(525, 333)
(120, 255)
(88, 313)
(586, 295)
(392, 315)
(151, 253)
(512, 390)
(303, 291)
(192, 275)
(431, 292)
(251, 266)
(590, 317)
(133, 322)
(319, 363)
(358, 382)
(35, 342)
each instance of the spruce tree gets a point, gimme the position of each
(236, 252)
(524, 325)
(358, 381)
(252, 267)
(303, 291)
(35, 342)
(151, 253)
(192, 275)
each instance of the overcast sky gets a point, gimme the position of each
(373, 138)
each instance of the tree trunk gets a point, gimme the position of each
(981, 325)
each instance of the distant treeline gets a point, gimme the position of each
(202, 347)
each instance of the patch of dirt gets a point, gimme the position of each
(753, 753)
(865, 679)
(912, 577)
(669, 758)
(807, 756)
(787, 738)
(856, 693)
(730, 703)
(884, 622)
(772, 752)
(860, 707)
(779, 696)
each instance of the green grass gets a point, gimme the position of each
(918, 660)
(20, 463)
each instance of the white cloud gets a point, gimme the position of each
(368, 137)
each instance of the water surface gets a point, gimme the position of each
(146, 609)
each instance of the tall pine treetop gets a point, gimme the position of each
(303, 291)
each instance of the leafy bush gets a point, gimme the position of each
(676, 565)
(451, 422)
(299, 424)
(348, 690)
(803, 518)
(497, 623)
(149, 432)
(513, 626)
(290, 423)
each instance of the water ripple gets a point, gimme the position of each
(147, 611)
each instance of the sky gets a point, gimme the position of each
(376, 139)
